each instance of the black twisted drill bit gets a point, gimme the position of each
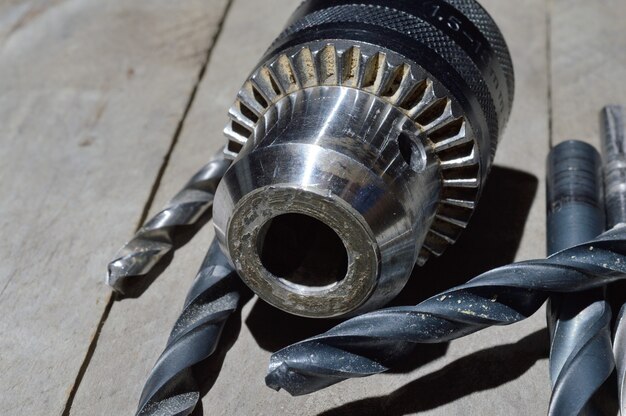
(154, 239)
(171, 388)
(612, 119)
(373, 342)
(579, 322)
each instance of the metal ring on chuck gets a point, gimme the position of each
(361, 143)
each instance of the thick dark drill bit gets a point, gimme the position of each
(154, 240)
(373, 342)
(612, 121)
(580, 322)
(171, 388)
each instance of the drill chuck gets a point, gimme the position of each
(361, 143)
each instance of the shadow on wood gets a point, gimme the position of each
(502, 213)
(491, 240)
(475, 372)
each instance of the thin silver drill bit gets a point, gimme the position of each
(373, 342)
(154, 239)
(614, 152)
(580, 322)
(171, 388)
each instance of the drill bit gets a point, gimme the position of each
(373, 342)
(171, 388)
(580, 322)
(614, 152)
(154, 239)
(619, 349)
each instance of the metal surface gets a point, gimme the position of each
(614, 153)
(172, 388)
(374, 342)
(579, 323)
(377, 203)
(619, 351)
(361, 142)
(612, 119)
(154, 239)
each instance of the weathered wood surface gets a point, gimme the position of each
(91, 93)
(449, 382)
(588, 60)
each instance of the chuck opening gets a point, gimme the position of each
(302, 252)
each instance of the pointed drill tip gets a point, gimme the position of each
(182, 404)
(274, 377)
(116, 275)
(282, 376)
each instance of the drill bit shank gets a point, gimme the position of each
(614, 153)
(579, 323)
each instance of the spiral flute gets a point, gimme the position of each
(154, 239)
(580, 322)
(171, 388)
(373, 342)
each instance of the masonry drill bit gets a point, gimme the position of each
(612, 120)
(373, 342)
(579, 322)
(171, 388)
(154, 239)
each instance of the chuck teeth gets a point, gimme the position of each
(393, 80)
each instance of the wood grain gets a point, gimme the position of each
(453, 379)
(92, 93)
(588, 41)
(137, 329)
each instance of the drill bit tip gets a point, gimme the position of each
(154, 240)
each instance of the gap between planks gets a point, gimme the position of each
(549, 9)
(148, 205)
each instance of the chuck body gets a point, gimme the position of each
(361, 143)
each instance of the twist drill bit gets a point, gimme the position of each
(580, 322)
(373, 342)
(171, 388)
(154, 239)
(612, 120)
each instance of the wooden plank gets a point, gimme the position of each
(588, 41)
(92, 93)
(136, 330)
(452, 381)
